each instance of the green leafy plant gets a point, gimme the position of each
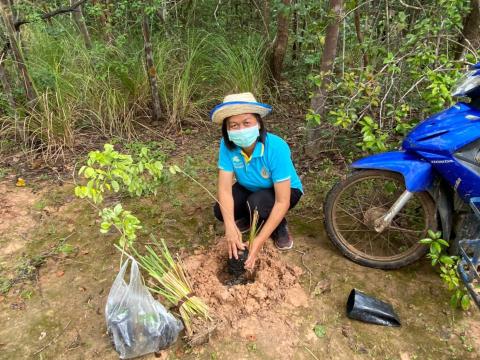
(320, 330)
(123, 220)
(137, 175)
(111, 171)
(448, 268)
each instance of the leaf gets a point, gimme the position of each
(447, 260)
(443, 242)
(431, 234)
(465, 302)
(454, 301)
(117, 209)
(437, 247)
(320, 330)
(115, 186)
(89, 172)
(426, 241)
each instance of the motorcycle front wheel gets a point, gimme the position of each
(352, 206)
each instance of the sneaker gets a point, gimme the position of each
(243, 224)
(282, 238)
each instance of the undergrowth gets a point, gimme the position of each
(105, 89)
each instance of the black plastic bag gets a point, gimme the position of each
(363, 307)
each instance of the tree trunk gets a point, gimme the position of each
(266, 18)
(326, 66)
(358, 30)
(470, 37)
(328, 56)
(16, 51)
(151, 70)
(295, 46)
(281, 41)
(7, 89)
(77, 16)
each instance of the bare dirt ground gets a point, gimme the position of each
(54, 308)
(56, 270)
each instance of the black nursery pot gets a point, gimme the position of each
(236, 267)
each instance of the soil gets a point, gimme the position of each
(16, 218)
(293, 307)
(274, 284)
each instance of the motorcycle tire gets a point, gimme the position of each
(394, 261)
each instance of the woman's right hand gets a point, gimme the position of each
(234, 241)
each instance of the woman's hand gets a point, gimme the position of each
(252, 255)
(234, 241)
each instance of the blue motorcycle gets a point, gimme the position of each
(378, 214)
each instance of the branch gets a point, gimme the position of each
(49, 15)
(18, 23)
(410, 6)
(3, 53)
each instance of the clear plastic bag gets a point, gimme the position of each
(137, 323)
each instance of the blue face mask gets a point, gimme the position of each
(245, 137)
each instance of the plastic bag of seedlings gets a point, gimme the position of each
(136, 322)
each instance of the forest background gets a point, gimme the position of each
(114, 68)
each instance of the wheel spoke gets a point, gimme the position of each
(363, 201)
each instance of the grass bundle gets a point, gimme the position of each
(173, 283)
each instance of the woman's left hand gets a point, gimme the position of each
(252, 255)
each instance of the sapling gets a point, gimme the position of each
(236, 267)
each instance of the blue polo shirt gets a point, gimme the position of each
(269, 163)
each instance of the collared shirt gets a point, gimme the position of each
(269, 163)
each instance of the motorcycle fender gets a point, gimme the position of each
(418, 174)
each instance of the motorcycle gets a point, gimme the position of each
(377, 214)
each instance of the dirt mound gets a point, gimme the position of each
(273, 284)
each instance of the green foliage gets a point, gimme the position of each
(373, 138)
(411, 61)
(199, 58)
(123, 220)
(448, 268)
(239, 67)
(112, 171)
(320, 330)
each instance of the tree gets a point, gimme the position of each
(358, 31)
(328, 57)
(77, 16)
(151, 70)
(14, 45)
(7, 89)
(281, 40)
(470, 36)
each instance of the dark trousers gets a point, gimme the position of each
(262, 200)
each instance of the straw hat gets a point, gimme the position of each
(236, 104)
